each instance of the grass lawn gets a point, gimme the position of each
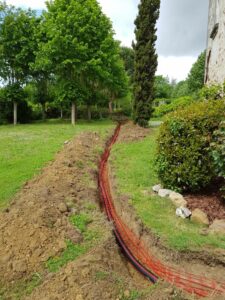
(25, 149)
(135, 171)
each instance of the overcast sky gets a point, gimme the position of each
(182, 29)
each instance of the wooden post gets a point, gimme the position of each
(89, 112)
(73, 114)
(110, 107)
(14, 113)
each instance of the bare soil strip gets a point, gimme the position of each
(36, 226)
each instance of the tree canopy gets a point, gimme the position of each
(196, 76)
(71, 46)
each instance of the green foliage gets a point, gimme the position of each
(212, 92)
(181, 89)
(172, 106)
(80, 221)
(217, 148)
(183, 160)
(162, 87)
(82, 52)
(127, 55)
(134, 167)
(145, 60)
(22, 288)
(72, 252)
(196, 76)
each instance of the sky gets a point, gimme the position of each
(182, 30)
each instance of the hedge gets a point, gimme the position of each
(184, 160)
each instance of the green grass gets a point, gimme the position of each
(91, 236)
(80, 221)
(72, 252)
(135, 172)
(21, 289)
(25, 149)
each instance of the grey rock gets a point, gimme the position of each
(164, 193)
(183, 212)
(156, 188)
(178, 200)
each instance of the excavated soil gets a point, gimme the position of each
(35, 227)
(209, 263)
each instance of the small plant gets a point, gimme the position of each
(172, 106)
(72, 252)
(183, 160)
(81, 221)
(218, 151)
(212, 92)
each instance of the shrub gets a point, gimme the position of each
(174, 105)
(183, 157)
(212, 92)
(217, 148)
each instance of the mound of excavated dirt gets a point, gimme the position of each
(35, 226)
(131, 133)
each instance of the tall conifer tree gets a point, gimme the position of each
(145, 60)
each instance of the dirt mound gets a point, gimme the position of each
(35, 226)
(131, 133)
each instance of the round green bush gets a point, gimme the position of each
(184, 161)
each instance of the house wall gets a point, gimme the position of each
(215, 61)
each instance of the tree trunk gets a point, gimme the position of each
(43, 111)
(89, 112)
(15, 113)
(110, 107)
(73, 114)
(61, 113)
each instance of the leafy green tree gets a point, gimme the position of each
(196, 76)
(181, 89)
(17, 44)
(79, 40)
(127, 55)
(145, 60)
(162, 87)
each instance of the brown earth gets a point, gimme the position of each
(209, 263)
(35, 227)
(212, 204)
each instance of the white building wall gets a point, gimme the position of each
(215, 61)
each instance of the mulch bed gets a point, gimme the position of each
(213, 205)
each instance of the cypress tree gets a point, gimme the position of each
(145, 60)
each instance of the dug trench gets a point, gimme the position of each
(207, 262)
(55, 242)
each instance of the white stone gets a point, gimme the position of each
(156, 188)
(183, 212)
(164, 193)
(178, 200)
